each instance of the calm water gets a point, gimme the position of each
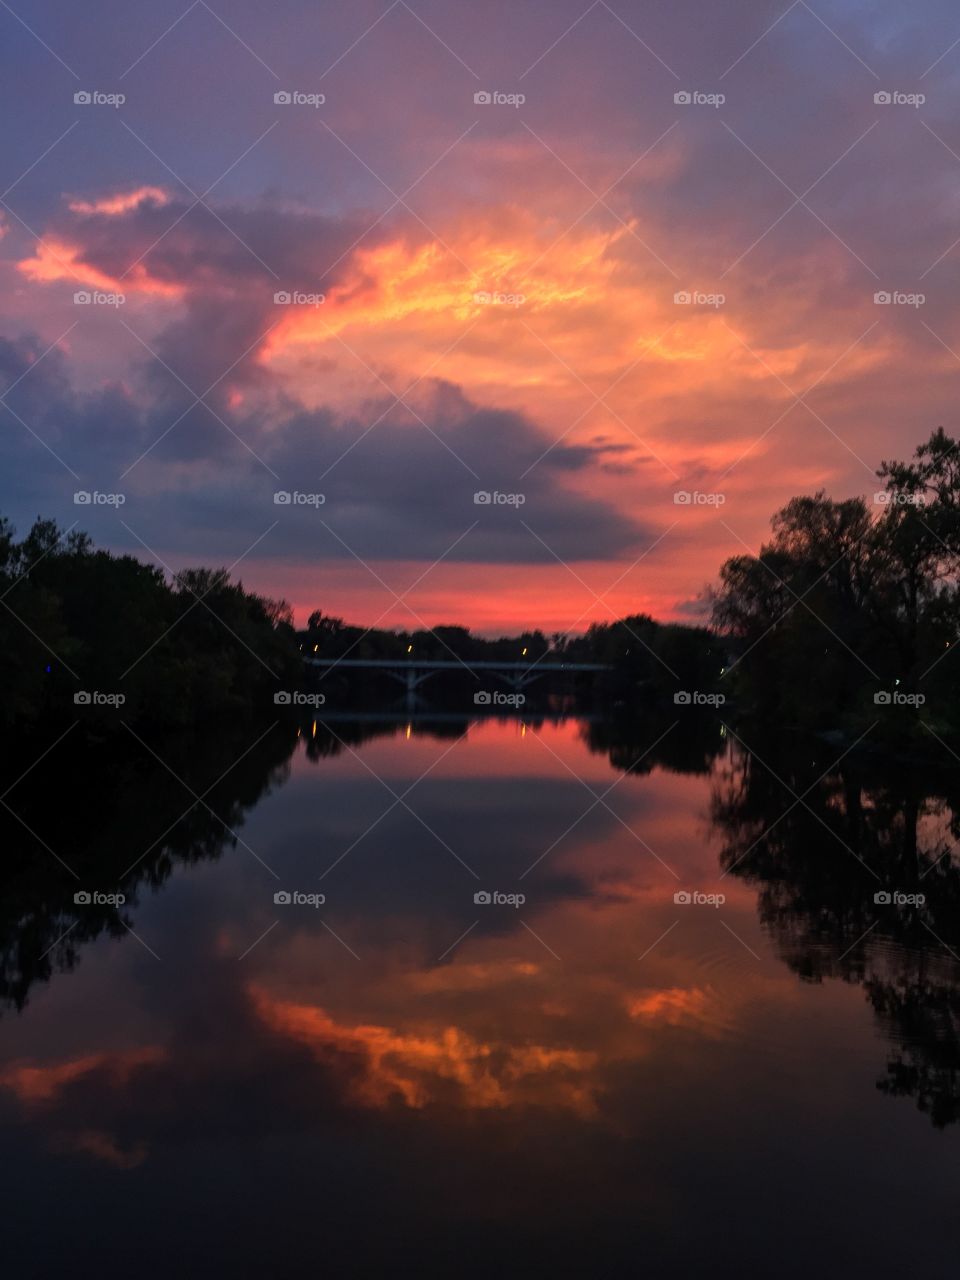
(597, 1080)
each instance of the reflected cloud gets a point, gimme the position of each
(43, 1084)
(426, 1067)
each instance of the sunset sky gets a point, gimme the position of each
(585, 209)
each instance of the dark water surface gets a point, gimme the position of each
(599, 1081)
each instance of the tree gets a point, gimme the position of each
(843, 599)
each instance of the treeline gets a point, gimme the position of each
(84, 632)
(849, 613)
(644, 654)
(81, 628)
(851, 610)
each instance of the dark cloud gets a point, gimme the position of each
(401, 489)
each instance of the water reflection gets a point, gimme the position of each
(114, 818)
(597, 1053)
(657, 741)
(856, 880)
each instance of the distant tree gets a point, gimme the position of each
(842, 599)
(77, 619)
(323, 624)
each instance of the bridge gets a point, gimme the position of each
(412, 672)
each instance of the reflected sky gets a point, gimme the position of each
(598, 1075)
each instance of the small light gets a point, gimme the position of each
(315, 648)
(524, 654)
(409, 731)
(409, 648)
(314, 729)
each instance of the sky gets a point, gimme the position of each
(616, 266)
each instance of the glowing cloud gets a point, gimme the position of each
(418, 1068)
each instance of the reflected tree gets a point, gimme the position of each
(121, 822)
(856, 875)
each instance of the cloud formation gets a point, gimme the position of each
(595, 299)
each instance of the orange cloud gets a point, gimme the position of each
(582, 332)
(403, 304)
(123, 202)
(58, 259)
(673, 1005)
(472, 977)
(417, 1068)
(33, 1085)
